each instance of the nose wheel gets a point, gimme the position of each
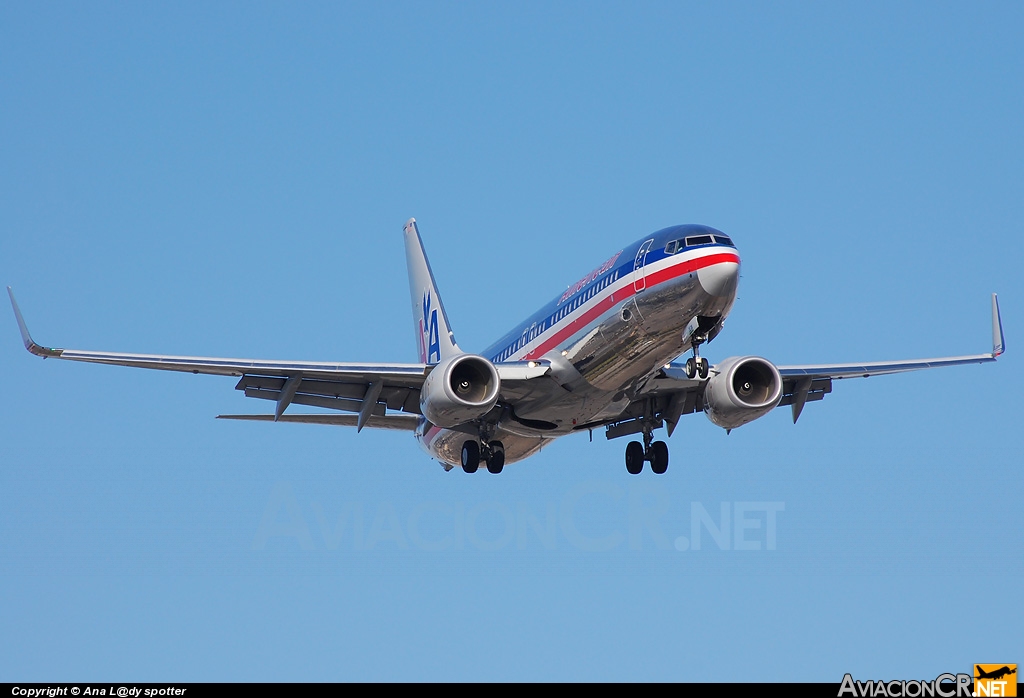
(696, 367)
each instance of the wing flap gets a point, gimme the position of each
(669, 394)
(409, 375)
(336, 386)
(398, 422)
(821, 386)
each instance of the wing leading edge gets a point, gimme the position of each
(370, 390)
(411, 374)
(878, 368)
(672, 394)
(807, 382)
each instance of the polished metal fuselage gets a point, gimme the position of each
(632, 328)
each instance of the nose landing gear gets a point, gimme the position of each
(696, 366)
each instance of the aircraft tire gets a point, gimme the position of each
(691, 368)
(659, 457)
(470, 456)
(634, 457)
(496, 457)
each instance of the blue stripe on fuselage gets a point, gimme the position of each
(548, 316)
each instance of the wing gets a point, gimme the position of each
(398, 422)
(807, 383)
(669, 394)
(664, 398)
(370, 390)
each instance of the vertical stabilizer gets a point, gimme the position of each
(434, 337)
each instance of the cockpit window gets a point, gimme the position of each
(724, 240)
(698, 240)
(672, 247)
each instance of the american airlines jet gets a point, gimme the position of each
(600, 355)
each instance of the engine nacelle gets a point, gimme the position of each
(459, 390)
(742, 389)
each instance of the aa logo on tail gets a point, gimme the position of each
(430, 340)
(995, 680)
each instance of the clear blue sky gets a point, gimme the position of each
(232, 179)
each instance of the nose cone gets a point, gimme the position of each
(720, 279)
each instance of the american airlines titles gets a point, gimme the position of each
(589, 277)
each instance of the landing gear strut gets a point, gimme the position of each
(492, 453)
(656, 452)
(696, 366)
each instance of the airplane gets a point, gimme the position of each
(598, 356)
(995, 675)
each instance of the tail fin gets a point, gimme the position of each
(434, 337)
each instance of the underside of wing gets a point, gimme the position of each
(397, 422)
(367, 389)
(662, 401)
(372, 392)
(878, 368)
(389, 395)
(669, 394)
(809, 382)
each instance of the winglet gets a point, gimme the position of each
(998, 345)
(25, 336)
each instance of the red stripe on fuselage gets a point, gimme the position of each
(430, 434)
(624, 293)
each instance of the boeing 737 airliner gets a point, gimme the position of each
(597, 356)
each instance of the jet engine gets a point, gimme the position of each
(459, 389)
(741, 389)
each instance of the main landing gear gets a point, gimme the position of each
(492, 453)
(656, 452)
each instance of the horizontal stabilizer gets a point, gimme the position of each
(399, 422)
